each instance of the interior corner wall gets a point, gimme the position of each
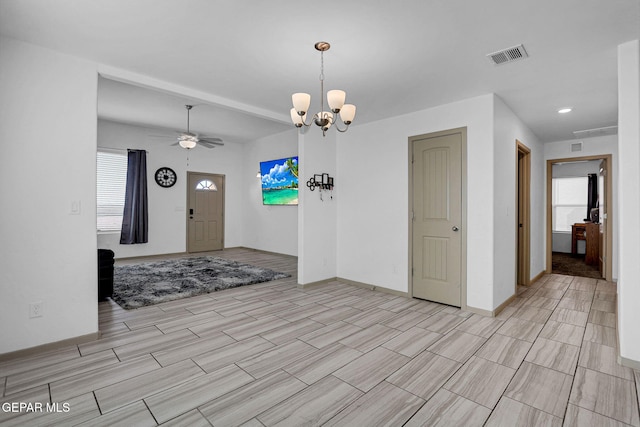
(167, 206)
(373, 184)
(268, 228)
(317, 211)
(629, 203)
(48, 187)
(595, 146)
(507, 129)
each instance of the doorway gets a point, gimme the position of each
(205, 212)
(437, 230)
(523, 233)
(602, 231)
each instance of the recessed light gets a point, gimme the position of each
(564, 110)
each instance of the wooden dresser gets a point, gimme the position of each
(589, 232)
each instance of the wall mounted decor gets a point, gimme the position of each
(279, 181)
(165, 177)
(322, 181)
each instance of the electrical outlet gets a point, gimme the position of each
(35, 309)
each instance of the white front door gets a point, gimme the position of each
(205, 212)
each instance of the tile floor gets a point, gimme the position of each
(274, 354)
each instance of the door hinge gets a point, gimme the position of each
(412, 270)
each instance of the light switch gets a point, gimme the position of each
(75, 207)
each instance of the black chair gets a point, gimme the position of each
(105, 273)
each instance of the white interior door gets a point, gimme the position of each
(437, 217)
(603, 218)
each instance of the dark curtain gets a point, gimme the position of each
(135, 225)
(592, 195)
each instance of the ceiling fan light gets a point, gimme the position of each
(336, 98)
(301, 102)
(187, 141)
(348, 113)
(187, 144)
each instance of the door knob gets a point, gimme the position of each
(455, 228)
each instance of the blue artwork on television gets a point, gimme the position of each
(279, 181)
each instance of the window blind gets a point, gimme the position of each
(111, 184)
(569, 202)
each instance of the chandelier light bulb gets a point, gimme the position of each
(325, 120)
(296, 118)
(301, 102)
(336, 98)
(347, 113)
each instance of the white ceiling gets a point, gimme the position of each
(243, 59)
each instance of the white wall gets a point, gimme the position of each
(268, 228)
(509, 128)
(167, 206)
(317, 219)
(629, 204)
(595, 146)
(373, 212)
(47, 163)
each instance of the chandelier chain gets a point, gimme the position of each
(322, 84)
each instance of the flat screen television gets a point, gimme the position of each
(280, 181)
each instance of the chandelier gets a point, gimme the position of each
(335, 100)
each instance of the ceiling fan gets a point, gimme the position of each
(189, 140)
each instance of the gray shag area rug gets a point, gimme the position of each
(138, 285)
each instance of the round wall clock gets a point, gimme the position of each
(165, 177)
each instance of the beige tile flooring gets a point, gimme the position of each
(335, 354)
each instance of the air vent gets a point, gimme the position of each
(587, 133)
(576, 146)
(508, 55)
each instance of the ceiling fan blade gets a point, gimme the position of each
(207, 144)
(208, 140)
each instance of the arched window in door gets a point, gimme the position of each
(206, 185)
